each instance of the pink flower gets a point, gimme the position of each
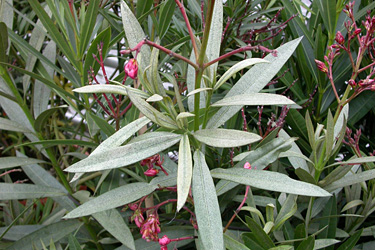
(150, 228)
(247, 165)
(164, 241)
(151, 172)
(339, 38)
(131, 68)
(138, 218)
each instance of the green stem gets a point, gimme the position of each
(200, 61)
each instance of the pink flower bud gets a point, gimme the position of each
(151, 172)
(131, 68)
(164, 241)
(339, 38)
(321, 66)
(352, 83)
(247, 165)
(357, 31)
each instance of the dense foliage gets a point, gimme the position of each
(187, 124)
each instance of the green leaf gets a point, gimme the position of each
(351, 242)
(42, 177)
(11, 161)
(259, 158)
(259, 234)
(328, 12)
(198, 91)
(10, 191)
(55, 231)
(42, 92)
(112, 221)
(237, 67)
(256, 99)
(329, 135)
(51, 143)
(294, 154)
(322, 243)
(73, 243)
(354, 161)
(126, 155)
(17, 232)
(53, 31)
(102, 124)
(111, 89)
(152, 113)
(287, 210)
(233, 244)
(42, 119)
(112, 199)
(134, 34)
(185, 171)
(268, 180)
(88, 25)
(143, 6)
(351, 179)
(225, 138)
(214, 38)
(36, 41)
(3, 40)
(254, 80)
(307, 244)
(206, 205)
(165, 16)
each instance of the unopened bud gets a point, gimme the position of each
(321, 66)
(131, 68)
(151, 172)
(357, 31)
(339, 38)
(352, 83)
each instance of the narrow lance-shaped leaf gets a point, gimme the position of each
(10, 162)
(237, 67)
(152, 113)
(126, 155)
(254, 80)
(6, 124)
(41, 91)
(214, 38)
(185, 171)
(42, 177)
(268, 180)
(134, 34)
(256, 99)
(206, 205)
(113, 222)
(88, 25)
(351, 179)
(55, 232)
(112, 89)
(259, 158)
(10, 191)
(225, 138)
(112, 199)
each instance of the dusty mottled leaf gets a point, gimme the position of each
(185, 171)
(225, 138)
(206, 205)
(268, 180)
(111, 199)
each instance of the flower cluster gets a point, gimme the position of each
(151, 162)
(366, 47)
